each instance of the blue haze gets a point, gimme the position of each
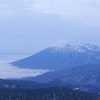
(28, 26)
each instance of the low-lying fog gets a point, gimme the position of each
(9, 71)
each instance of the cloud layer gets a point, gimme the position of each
(79, 10)
(60, 7)
(86, 11)
(67, 7)
(8, 71)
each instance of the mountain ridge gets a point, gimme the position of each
(79, 75)
(59, 57)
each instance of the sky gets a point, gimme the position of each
(28, 26)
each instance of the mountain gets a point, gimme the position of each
(12, 84)
(52, 93)
(22, 84)
(80, 75)
(29, 90)
(61, 55)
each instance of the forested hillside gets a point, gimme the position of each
(45, 94)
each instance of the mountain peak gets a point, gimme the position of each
(62, 43)
(61, 55)
(65, 46)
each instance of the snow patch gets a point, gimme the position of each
(61, 44)
(90, 47)
(66, 46)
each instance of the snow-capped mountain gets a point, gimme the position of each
(62, 55)
(80, 47)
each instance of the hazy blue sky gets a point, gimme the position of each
(31, 25)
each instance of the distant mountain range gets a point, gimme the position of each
(60, 56)
(84, 78)
(80, 75)
(52, 93)
(22, 84)
(70, 65)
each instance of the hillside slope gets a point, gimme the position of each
(80, 75)
(60, 56)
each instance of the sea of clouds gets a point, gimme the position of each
(9, 71)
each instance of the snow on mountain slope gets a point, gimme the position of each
(80, 47)
(90, 46)
(62, 55)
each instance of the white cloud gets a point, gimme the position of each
(5, 10)
(16, 7)
(67, 7)
(77, 10)
(60, 7)
(8, 71)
